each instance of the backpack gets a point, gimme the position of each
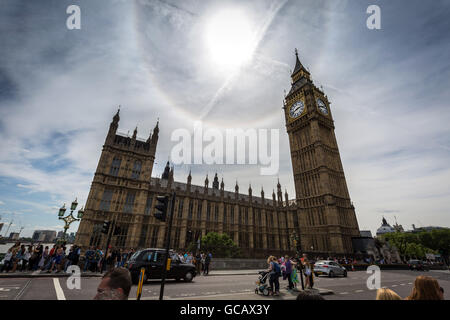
(276, 269)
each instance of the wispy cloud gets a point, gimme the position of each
(60, 88)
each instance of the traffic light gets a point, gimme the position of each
(162, 203)
(105, 227)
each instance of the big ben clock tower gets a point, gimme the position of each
(326, 215)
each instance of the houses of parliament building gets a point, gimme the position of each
(321, 215)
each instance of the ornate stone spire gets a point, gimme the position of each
(222, 185)
(155, 135)
(298, 64)
(236, 187)
(135, 133)
(116, 117)
(216, 182)
(206, 181)
(166, 172)
(189, 178)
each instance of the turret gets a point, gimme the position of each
(155, 135)
(166, 172)
(113, 128)
(189, 178)
(206, 182)
(215, 184)
(279, 192)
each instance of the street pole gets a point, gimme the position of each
(164, 271)
(110, 233)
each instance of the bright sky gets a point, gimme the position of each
(227, 62)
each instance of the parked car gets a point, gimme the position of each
(418, 265)
(152, 260)
(329, 268)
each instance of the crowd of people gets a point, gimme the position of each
(39, 258)
(289, 268)
(21, 258)
(200, 260)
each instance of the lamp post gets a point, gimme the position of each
(69, 219)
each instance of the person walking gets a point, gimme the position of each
(274, 275)
(207, 262)
(202, 261)
(308, 272)
(288, 263)
(198, 263)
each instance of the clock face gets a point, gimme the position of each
(297, 109)
(322, 107)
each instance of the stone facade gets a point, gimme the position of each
(321, 215)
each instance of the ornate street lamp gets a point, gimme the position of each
(69, 219)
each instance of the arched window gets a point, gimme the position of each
(136, 170)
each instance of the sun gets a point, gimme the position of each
(229, 38)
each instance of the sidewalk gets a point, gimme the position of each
(250, 295)
(44, 274)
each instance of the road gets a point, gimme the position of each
(233, 287)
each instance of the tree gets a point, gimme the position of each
(220, 245)
(416, 245)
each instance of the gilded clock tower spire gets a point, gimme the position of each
(327, 216)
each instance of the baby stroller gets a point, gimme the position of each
(261, 285)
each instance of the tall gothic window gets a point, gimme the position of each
(115, 166)
(129, 202)
(216, 213)
(148, 205)
(225, 212)
(105, 203)
(180, 207)
(191, 208)
(136, 170)
(232, 214)
(154, 239)
(199, 210)
(208, 212)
